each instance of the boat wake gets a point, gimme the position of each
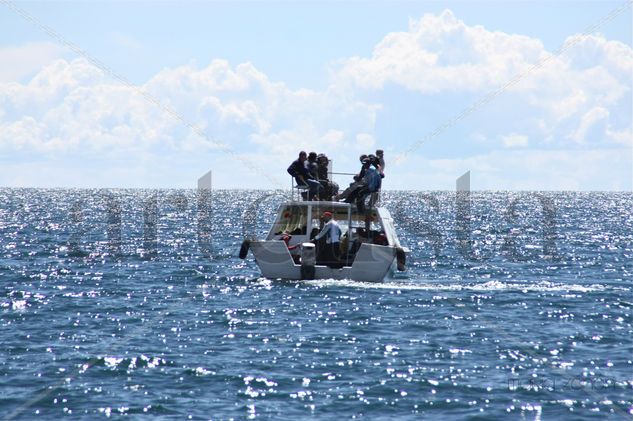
(542, 286)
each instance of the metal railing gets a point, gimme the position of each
(297, 189)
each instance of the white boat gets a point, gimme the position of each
(369, 247)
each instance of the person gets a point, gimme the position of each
(302, 176)
(330, 188)
(332, 233)
(371, 183)
(286, 237)
(380, 154)
(361, 173)
(312, 166)
(358, 180)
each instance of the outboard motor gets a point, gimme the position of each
(401, 258)
(308, 260)
(244, 248)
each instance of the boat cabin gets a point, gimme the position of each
(302, 221)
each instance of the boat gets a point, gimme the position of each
(369, 246)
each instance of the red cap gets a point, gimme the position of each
(327, 214)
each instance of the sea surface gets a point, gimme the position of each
(134, 303)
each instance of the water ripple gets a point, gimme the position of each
(531, 320)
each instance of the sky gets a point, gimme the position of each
(526, 95)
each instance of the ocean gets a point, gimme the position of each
(134, 303)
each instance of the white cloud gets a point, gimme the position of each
(588, 121)
(586, 170)
(25, 60)
(442, 53)
(70, 110)
(514, 140)
(571, 97)
(365, 142)
(72, 106)
(624, 137)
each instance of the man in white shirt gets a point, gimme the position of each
(332, 232)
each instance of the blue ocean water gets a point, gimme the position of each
(519, 305)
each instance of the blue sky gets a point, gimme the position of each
(267, 78)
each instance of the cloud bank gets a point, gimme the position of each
(568, 119)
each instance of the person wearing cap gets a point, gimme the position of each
(332, 233)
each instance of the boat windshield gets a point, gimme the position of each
(305, 220)
(292, 219)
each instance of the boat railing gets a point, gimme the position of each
(374, 198)
(296, 190)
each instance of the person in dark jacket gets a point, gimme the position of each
(361, 173)
(312, 165)
(358, 181)
(323, 162)
(302, 176)
(371, 183)
(330, 188)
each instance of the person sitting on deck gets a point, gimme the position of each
(303, 177)
(361, 173)
(330, 188)
(371, 183)
(286, 237)
(358, 180)
(312, 165)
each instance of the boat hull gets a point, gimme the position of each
(371, 263)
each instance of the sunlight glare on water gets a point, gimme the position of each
(518, 328)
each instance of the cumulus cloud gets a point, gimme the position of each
(514, 140)
(580, 101)
(570, 98)
(71, 105)
(585, 170)
(25, 60)
(440, 53)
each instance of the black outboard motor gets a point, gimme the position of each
(401, 259)
(308, 260)
(246, 244)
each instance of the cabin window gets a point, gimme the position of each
(367, 229)
(340, 214)
(292, 219)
